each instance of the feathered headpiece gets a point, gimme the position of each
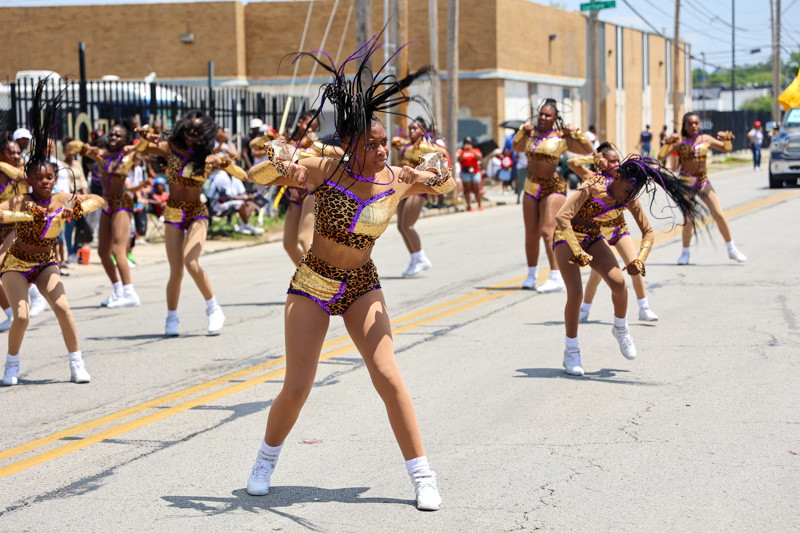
(357, 100)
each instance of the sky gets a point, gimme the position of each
(705, 24)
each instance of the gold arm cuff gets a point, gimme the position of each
(436, 163)
(580, 137)
(12, 171)
(639, 266)
(583, 160)
(78, 146)
(666, 148)
(326, 150)
(10, 217)
(278, 155)
(521, 134)
(727, 145)
(87, 206)
(644, 251)
(579, 257)
(142, 145)
(235, 171)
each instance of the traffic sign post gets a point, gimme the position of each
(596, 6)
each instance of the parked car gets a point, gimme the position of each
(784, 151)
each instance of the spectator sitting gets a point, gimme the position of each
(159, 196)
(227, 195)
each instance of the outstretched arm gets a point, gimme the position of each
(637, 265)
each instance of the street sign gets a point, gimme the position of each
(597, 6)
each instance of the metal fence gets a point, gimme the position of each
(738, 122)
(100, 104)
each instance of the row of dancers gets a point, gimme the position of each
(355, 194)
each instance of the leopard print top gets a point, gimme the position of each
(43, 229)
(181, 171)
(344, 218)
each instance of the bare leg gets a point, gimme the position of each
(367, 322)
(627, 251)
(412, 207)
(121, 233)
(173, 241)
(104, 248)
(548, 207)
(305, 231)
(530, 216)
(710, 198)
(16, 287)
(591, 287)
(291, 229)
(467, 191)
(49, 282)
(4, 247)
(305, 325)
(192, 248)
(606, 265)
(571, 275)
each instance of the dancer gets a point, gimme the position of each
(585, 222)
(39, 217)
(12, 180)
(619, 238)
(355, 198)
(114, 232)
(692, 154)
(545, 189)
(188, 152)
(409, 149)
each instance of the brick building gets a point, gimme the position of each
(513, 53)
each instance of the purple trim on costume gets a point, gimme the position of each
(361, 203)
(49, 219)
(323, 305)
(109, 212)
(3, 187)
(541, 139)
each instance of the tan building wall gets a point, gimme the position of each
(129, 41)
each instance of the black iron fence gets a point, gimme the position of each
(99, 104)
(738, 122)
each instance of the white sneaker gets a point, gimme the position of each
(216, 318)
(684, 258)
(258, 482)
(131, 264)
(572, 362)
(736, 255)
(647, 315)
(418, 266)
(253, 230)
(551, 285)
(584, 317)
(6, 324)
(625, 342)
(529, 283)
(171, 330)
(242, 229)
(428, 498)
(110, 299)
(128, 299)
(11, 376)
(38, 304)
(78, 372)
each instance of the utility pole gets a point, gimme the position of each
(593, 114)
(676, 112)
(452, 78)
(705, 75)
(775, 12)
(733, 55)
(436, 84)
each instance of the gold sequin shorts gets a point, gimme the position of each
(296, 195)
(120, 202)
(614, 230)
(539, 187)
(696, 181)
(586, 236)
(28, 264)
(333, 289)
(182, 214)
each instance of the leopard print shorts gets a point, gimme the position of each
(333, 289)
(182, 214)
(120, 202)
(539, 187)
(28, 264)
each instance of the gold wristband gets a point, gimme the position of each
(267, 172)
(639, 266)
(579, 257)
(580, 137)
(235, 171)
(584, 160)
(78, 146)
(436, 163)
(87, 206)
(11, 217)
(12, 171)
(521, 134)
(727, 145)
(644, 251)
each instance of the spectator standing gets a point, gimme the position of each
(662, 137)
(469, 158)
(756, 137)
(22, 136)
(591, 134)
(76, 176)
(645, 141)
(247, 154)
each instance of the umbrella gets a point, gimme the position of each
(512, 124)
(485, 144)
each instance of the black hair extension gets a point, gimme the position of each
(206, 130)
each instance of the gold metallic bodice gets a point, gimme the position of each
(688, 152)
(548, 149)
(37, 228)
(408, 153)
(8, 176)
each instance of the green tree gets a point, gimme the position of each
(760, 103)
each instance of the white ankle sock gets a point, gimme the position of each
(730, 245)
(570, 342)
(621, 323)
(33, 291)
(12, 358)
(685, 250)
(9, 313)
(75, 356)
(418, 464)
(533, 272)
(586, 307)
(127, 289)
(269, 453)
(556, 275)
(642, 303)
(117, 288)
(212, 302)
(172, 315)
(416, 256)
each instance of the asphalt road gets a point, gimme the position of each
(699, 433)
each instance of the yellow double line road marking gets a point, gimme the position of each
(400, 325)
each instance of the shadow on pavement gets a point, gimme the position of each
(279, 496)
(605, 375)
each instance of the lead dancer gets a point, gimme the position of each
(545, 189)
(39, 217)
(692, 154)
(355, 198)
(583, 229)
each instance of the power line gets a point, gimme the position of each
(710, 15)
